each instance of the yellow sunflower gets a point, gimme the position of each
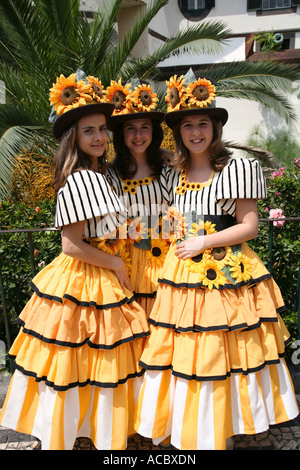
(67, 94)
(201, 93)
(143, 98)
(98, 92)
(194, 264)
(176, 96)
(241, 269)
(220, 254)
(136, 230)
(118, 95)
(111, 246)
(210, 275)
(158, 252)
(202, 228)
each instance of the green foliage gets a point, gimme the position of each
(15, 256)
(283, 193)
(283, 145)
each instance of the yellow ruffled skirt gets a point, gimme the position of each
(77, 358)
(145, 271)
(214, 359)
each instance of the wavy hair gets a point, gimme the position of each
(126, 164)
(70, 158)
(219, 153)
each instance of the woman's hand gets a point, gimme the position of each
(191, 247)
(122, 274)
(73, 245)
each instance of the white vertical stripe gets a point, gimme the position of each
(286, 391)
(178, 413)
(259, 415)
(71, 417)
(151, 391)
(205, 437)
(265, 381)
(47, 401)
(104, 418)
(236, 409)
(15, 400)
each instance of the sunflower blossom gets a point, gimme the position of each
(158, 252)
(210, 275)
(143, 98)
(241, 269)
(118, 95)
(67, 94)
(201, 93)
(176, 96)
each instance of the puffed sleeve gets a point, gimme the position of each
(241, 178)
(86, 195)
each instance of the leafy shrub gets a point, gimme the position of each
(17, 270)
(283, 193)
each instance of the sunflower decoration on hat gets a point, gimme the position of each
(132, 100)
(190, 95)
(75, 96)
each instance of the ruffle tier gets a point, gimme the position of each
(144, 276)
(214, 355)
(62, 368)
(79, 328)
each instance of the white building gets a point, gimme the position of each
(245, 18)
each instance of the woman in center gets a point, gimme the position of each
(214, 359)
(138, 176)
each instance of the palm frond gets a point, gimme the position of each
(274, 75)
(264, 96)
(204, 38)
(12, 142)
(31, 36)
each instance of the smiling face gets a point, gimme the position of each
(197, 134)
(138, 135)
(92, 136)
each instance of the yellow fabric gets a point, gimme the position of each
(216, 354)
(106, 318)
(176, 271)
(143, 277)
(206, 413)
(64, 366)
(49, 417)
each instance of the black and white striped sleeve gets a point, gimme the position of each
(86, 195)
(241, 179)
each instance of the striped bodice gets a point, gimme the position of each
(87, 196)
(141, 197)
(240, 179)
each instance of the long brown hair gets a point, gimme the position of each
(126, 164)
(70, 158)
(219, 153)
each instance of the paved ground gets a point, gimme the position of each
(285, 436)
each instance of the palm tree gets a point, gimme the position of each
(41, 39)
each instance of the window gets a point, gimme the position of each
(266, 5)
(195, 5)
(273, 4)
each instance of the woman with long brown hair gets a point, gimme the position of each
(139, 176)
(82, 333)
(214, 359)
